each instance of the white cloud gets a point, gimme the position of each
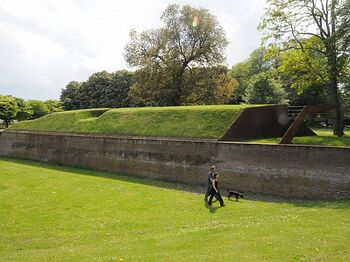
(45, 44)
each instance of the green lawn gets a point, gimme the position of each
(51, 213)
(180, 121)
(324, 137)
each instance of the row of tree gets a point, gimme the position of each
(12, 108)
(305, 60)
(201, 85)
(266, 77)
(102, 89)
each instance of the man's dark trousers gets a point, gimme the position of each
(217, 196)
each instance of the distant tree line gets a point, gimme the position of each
(102, 89)
(14, 108)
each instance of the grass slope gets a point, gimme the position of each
(324, 137)
(182, 121)
(51, 213)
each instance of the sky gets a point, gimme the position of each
(45, 44)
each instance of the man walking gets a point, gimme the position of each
(209, 182)
(215, 191)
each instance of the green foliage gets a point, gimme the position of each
(150, 87)
(8, 109)
(292, 22)
(313, 95)
(116, 95)
(102, 89)
(343, 29)
(91, 93)
(190, 37)
(291, 76)
(55, 213)
(24, 110)
(304, 69)
(183, 121)
(39, 108)
(263, 89)
(345, 89)
(244, 71)
(209, 85)
(303, 74)
(53, 105)
(69, 94)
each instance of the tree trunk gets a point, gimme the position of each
(338, 128)
(176, 98)
(177, 89)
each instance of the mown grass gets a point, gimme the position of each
(51, 213)
(183, 121)
(324, 137)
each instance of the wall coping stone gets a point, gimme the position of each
(171, 139)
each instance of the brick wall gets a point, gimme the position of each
(282, 170)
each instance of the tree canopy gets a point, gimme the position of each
(14, 108)
(190, 37)
(8, 109)
(289, 22)
(102, 89)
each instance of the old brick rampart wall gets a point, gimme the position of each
(282, 170)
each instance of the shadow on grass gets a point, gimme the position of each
(335, 204)
(109, 175)
(211, 208)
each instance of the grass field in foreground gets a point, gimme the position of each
(180, 121)
(51, 213)
(324, 137)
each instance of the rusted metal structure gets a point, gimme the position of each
(299, 120)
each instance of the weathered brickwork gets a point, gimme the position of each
(288, 171)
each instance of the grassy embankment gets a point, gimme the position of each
(51, 213)
(324, 137)
(184, 121)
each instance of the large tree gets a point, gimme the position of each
(244, 71)
(190, 37)
(210, 85)
(24, 112)
(201, 86)
(8, 109)
(102, 89)
(69, 94)
(38, 107)
(263, 88)
(116, 94)
(305, 84)
(292, 21)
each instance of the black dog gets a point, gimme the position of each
(236, 194)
